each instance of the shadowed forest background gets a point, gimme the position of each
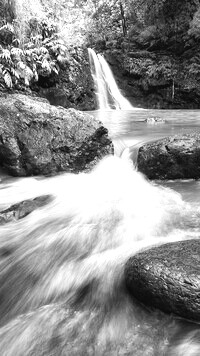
(152, 47)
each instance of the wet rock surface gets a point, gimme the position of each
(20, 210)
(167, 277)
(38, 138)
(73, 86)
(175, 157)
(146, 83)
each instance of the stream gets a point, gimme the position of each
(63, 266)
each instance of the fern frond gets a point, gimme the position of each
(15, 73)
(7, 79)
(28, 72)
(5, 54)
(35, 75)
(62, 47)
(26, 80)
(28, 52)
(46, 65)
(16, 52)
(43, 50)
(54, 69)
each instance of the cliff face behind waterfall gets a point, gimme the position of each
(73, 87)
(157, 62)
(151, 46)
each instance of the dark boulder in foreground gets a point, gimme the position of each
(38, 138)
(167, 277)
(175, 157)
(20, 210)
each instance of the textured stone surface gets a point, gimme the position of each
(38, 138)
(73, 87)
(175, 157)
(167, 277)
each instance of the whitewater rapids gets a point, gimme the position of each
(62, 288)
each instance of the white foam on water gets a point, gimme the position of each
(76, 248)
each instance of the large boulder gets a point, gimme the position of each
(167, 277)
(38, 138)
(175, 157)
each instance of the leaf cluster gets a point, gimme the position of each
(152, 69)
(42, 55)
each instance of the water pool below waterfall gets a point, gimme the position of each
(130, 129)
(76, 248)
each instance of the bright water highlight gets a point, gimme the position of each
(107, 92)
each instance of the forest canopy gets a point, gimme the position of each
(84, 21)
(35, 36)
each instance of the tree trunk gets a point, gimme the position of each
(124, 27)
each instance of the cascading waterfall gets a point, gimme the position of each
(107, 91)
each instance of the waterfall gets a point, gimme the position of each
(107, 91)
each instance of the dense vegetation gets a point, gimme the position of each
(36, 38)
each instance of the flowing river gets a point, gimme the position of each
(62, 266)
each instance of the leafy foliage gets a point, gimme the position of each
(31, 44)
(163, 69)
(43, 54)
(30, 32)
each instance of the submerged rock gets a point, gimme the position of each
(22, 209)
(167, 277)
(175, 157)
(155, 120)
(38, 138)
